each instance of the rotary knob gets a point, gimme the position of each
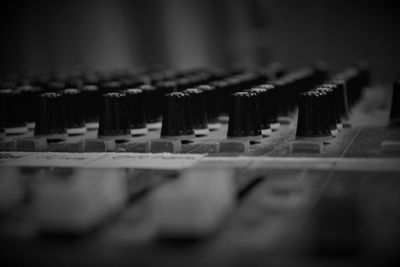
(177, 117)
(313, 122)
(244, 120)
(74, 111)
(113, 118)
(198, 106)
(395, 109)
(136, 111)
(50, 117)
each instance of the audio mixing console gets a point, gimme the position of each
(199, 168)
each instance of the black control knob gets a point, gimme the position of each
(283, 97)
(152, 100)
(113, 117)
(198, 105)
(111, 87)
(222, 88)
(54, 86)
(166, 87)
(91, 108)
(74, 111)
(341, 92)
(313, 122)
(50, 117)
(177, 120)
(264, 109)
(212, 104)
(330, 107)
(395, 109)
(273, 105)
(28, 98)
(12, 112)
(244, 120)
(134, 101)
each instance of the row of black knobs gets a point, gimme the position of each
(323, 109)
(252, 112)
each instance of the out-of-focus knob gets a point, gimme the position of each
(74, 111)
(50, 117)
(198, 106)
(136, 111)
(395, 109)
(12, 112)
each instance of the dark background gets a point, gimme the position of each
(41, 36)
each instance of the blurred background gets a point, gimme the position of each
(39, 36)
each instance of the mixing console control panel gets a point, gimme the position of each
(200, 167)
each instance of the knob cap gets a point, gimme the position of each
(136, 111)
(177, 117)
(74, 111)
(113, 119)
(395, 109)
(91, 107)
(313, 122)
(12, 112)
(50, 117)
(244, 120)
(198, 105)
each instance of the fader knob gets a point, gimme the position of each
(198, 107)
(74, 111)
(135, 108)
(177, 118)
(50, 117)
(244, 120)
(113, 119)
(313, 122)
(12, 112)
(395, 110)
